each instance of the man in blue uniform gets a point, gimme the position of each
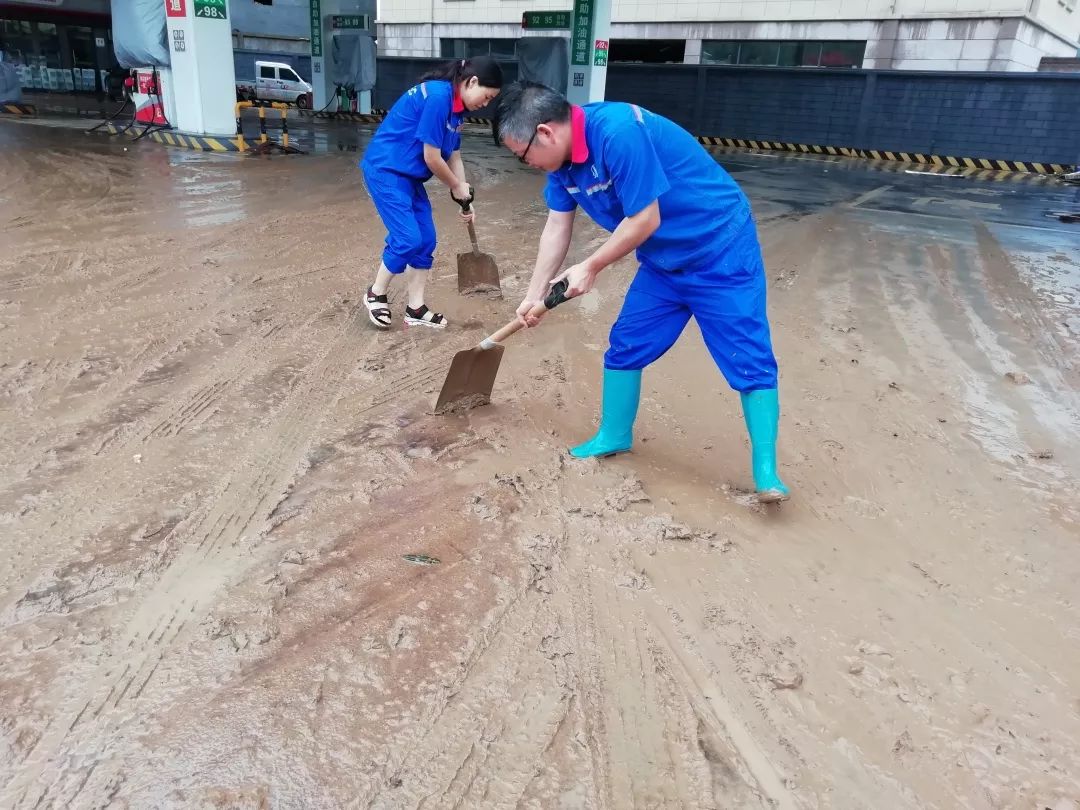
(651, 184)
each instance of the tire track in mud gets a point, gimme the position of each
(732, 716)
(154, 352)
(85, 489)
(594, 675)
(209, 557)
(51, 267)
(640, 681)
(161, 347)
(471, 753)
(661, 733)
(64, 174)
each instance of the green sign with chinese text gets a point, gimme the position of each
(581, 33)
(211, 9)
(316, 28)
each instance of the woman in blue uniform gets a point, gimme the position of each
(421, 138)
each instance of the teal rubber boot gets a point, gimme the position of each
(761, 409)
(622, 393)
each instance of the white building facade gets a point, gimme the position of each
(961, 35)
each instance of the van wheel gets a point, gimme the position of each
(301, 101)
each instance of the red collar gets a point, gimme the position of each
(579, 149)
(458, 105)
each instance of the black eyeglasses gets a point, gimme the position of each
(525, 154)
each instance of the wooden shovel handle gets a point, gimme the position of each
(472, 236)
(554, 298)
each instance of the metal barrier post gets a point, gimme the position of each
(284, 110)
(240, 105)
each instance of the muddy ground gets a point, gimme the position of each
(212, 469)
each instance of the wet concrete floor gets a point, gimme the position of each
(243, 565)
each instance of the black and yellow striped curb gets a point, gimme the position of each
(964, 162)
(939, 161)
(358, 118)
(846, 163)
(934, 164)
(200, 142)
(374, 117)
(998, 175)
(11, 108)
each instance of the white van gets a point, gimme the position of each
(275, 81)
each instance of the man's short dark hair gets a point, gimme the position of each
(523, 106)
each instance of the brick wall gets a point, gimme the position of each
(1035, 118)
(1005, 116)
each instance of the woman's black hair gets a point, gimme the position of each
(484, 68)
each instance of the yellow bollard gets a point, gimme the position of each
(284, 110)
(240, 105)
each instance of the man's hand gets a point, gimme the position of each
(526, 307)
(461, 192)
(579, 278)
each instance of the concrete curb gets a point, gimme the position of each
(170, 138)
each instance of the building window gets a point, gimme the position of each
(648, 51)
(842, 54)
(17, 41)
(720, 53)
(468, 48)
(775, 53)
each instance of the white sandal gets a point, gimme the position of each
(425, 317)
(378, 309)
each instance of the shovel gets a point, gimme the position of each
(473, 371)
(477, 273)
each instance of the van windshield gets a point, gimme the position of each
(289, 76)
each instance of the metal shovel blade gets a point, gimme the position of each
(470, 379)
(478, 274)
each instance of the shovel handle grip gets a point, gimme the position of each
(554, 298)
(466, 206)
(466, 203)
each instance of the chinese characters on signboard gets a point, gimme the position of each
(178, 42)
(176, 8)
(581, 33)
(348, 21)
(316, 28)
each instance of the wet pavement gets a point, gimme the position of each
(216, 480)
(801, 183)
(1021, 209)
